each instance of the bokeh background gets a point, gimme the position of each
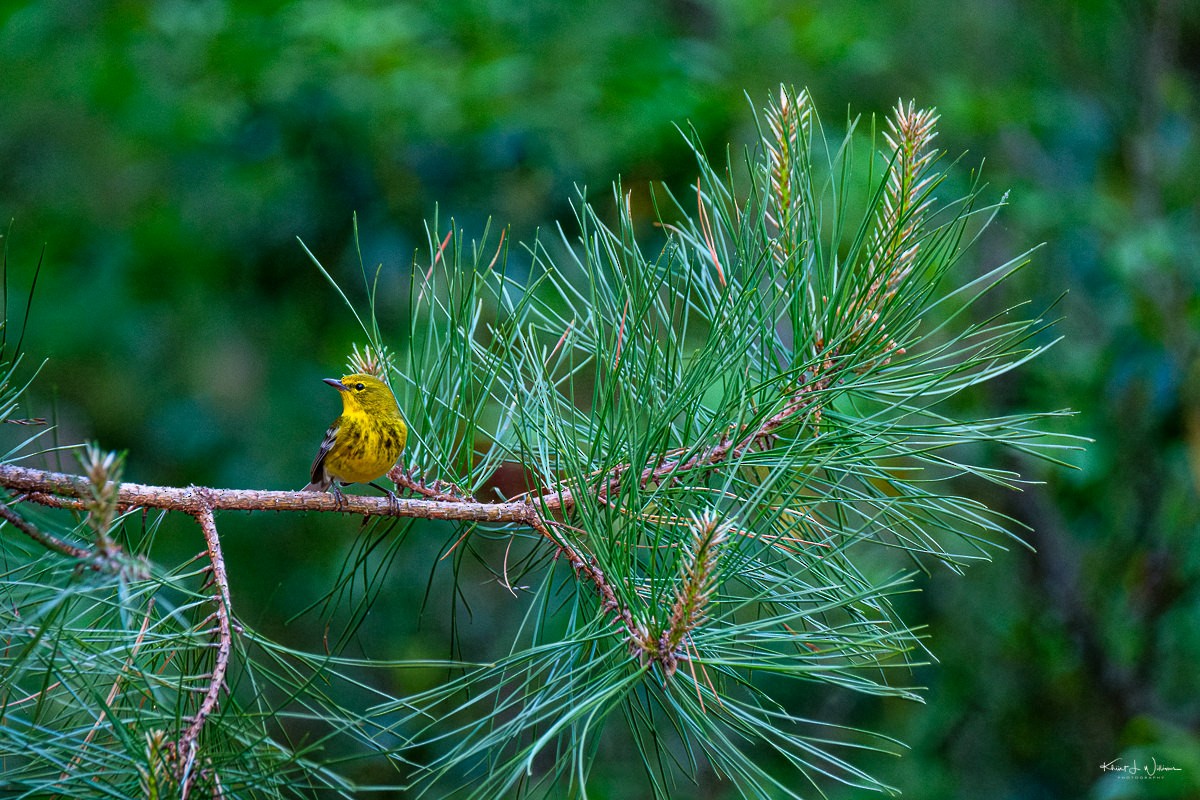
(165, 156)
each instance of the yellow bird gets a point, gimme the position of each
(365, 441)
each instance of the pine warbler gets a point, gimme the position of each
(365, 441)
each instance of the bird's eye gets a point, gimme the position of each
(359, 387)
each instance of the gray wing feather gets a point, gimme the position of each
(321, 479)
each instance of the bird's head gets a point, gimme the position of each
(362, 391)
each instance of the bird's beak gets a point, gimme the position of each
(335, 383)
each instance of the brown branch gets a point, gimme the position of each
(444, 491)
(63, 491)
(188, 742)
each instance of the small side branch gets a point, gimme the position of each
(438, 490)
(46, 540)
(586, 566)
(733, 445)
(693, 595)
(188, 742)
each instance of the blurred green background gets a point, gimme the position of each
(169, 154)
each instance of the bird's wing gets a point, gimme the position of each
(320, 477)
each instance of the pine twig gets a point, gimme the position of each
(563, 498)
(189, 742)
(698, 579)
(46, 540)
(789, 122)
(444, 491)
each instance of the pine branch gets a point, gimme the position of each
(63, 490)
(690, 609)
(188, 747)
(747, 406)
(909, 134)
(46, 540)
(896, 240)
(733, 445)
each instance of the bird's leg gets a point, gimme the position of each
(338, 497)
(393, 501)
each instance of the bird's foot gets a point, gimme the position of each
(393, 501)
(339, 498)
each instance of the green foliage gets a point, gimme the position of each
(738, 372)
(732, 437)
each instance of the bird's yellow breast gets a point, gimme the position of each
(365, 447)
